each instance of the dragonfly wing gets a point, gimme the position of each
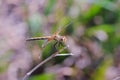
(45, 43)
(61, 29)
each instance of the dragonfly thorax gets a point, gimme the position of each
(60, 38)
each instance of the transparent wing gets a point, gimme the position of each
(45, 43)
(61, 29)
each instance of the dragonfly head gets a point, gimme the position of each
(60, 38)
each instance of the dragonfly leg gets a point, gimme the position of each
(61, 44)
(56, 45)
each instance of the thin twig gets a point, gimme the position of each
(65, 54)
(46, 60)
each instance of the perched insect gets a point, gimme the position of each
(58, 38)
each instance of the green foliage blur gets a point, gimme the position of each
(92, 25)
(98, 18)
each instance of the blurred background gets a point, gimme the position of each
(93, 37)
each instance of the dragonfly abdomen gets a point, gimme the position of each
(36, 38)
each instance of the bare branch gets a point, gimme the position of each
(46, 60)
(65, 54)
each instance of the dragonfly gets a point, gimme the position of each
(59, 39)
(56, 37)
